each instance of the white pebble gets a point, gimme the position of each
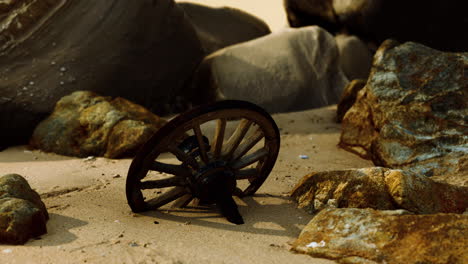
(303, 156)
(7, 251)
(315, 244)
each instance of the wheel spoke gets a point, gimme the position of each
(166, 197)
(163, 183)
(236, 138)
(183, 201)
(177, 170)
(249, 159)
(248, 144)
(184, 157)
(201, 143)
(246, 174)
(219, 137)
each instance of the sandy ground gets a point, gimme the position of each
(92, 223)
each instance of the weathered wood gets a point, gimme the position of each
(249, 159)
(248, 144)
(201, 143)
(163, 183)
(246, 174)
(219, 137)
(178, 170)
(236, 138)
(184, 157)
(166, 197)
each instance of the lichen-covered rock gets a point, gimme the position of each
(223, 26)
(361, 188)
(412, 113)
(15, 186)
(85, 124)
(378, 188)
(369, 236)
(291, 70)
(420, 194)
(144, 51)
(22, 213)
(348, 98)
(355, 56)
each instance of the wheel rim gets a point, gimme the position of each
(245, 143)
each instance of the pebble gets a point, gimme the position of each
(303, 156)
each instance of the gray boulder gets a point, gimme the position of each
(291, 70)
(22, 213)
(355, 57)
(142, 51)
(224, 26)
(412, 113)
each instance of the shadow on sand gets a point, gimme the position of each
(282, 218)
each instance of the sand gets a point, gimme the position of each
(90, 221)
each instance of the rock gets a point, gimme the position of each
(22, 213)
(291, 70)
(361, 188)
(412, 113)
(348, 98)
(355, 57)
(15, 186)
(369, 236)
(302, 13)
(433, 23)
(84, 124)
(224, 26)
(422, 195)
(144, 52)
(378, 188)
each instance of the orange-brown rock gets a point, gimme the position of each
(378, 188)
(361, 188)
(370, 236)
(85, 124)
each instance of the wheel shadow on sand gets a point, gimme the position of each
(261, 216)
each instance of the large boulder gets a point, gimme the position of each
(86, 124)
(361, 188)
(22, 213)
(143, 51)
(369, 236)
(434, 23)
(378, 188)
(412, 113)
(291, 70)
(355, 56)
(224, 26)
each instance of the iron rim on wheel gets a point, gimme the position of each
(207, 167)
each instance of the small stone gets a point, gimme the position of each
(63, 69)
(133, 244)
(156, 222)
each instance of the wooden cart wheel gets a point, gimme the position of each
(235, 160)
